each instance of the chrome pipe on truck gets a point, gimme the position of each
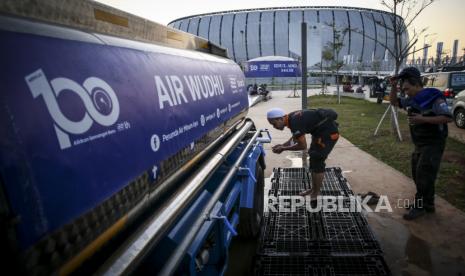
(174, 260)
(129, 256)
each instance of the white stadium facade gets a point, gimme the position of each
(248, 34)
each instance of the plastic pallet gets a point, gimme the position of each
(291, 173)
(299, 173)
(316, 233)
(335, 183)
(291, 233)
(322, 265)
(297, 191)
(349, 232)
(280, 202)
(317, 243)
(329, 187)
(290, 184)
(287, 178)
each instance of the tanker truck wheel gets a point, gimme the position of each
(250, 219)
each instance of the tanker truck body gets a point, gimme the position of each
(121, 155)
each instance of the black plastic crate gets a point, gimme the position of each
(347, 198)
(338, 173)
(349, 233)
(346, 225)
(311, 233)
(316, 233)
(296, 186)
(290, 173)
(329, 192)
(291, 233)
(290, 184)
(293, 178)
(373, 265)
(335, 183)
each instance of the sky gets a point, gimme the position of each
(445, 19)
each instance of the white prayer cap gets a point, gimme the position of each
(275, 113)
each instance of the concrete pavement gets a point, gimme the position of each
(430, 245)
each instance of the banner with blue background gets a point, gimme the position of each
(80, 120)
(269, 69)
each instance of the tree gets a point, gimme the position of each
(331, 53)
(326, 58)
(327, 55)
(404, 13)
(376, 66)
(359, 66)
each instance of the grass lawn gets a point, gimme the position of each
(357, 122)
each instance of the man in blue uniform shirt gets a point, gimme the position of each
(428, 115)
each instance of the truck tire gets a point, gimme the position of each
(250, 219)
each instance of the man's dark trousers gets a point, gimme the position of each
(425, 166)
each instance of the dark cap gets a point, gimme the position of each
(409, 72)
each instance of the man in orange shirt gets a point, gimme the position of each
(321, 124)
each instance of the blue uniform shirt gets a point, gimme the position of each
(422, 102)
(428, 102)
(439, 107)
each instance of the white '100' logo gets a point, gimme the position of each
(98, 97)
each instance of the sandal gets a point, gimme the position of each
(374, 197)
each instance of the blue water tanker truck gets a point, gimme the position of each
(125, 146)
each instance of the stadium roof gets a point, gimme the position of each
(282, 8)
(272, 58)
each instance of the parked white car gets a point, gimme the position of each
(458, 109)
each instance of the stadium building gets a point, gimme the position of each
(248, 34)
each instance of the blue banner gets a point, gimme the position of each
(269, 69)
(79, 120)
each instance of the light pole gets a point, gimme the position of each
(243, 43)
(425, 49)
(463, 57)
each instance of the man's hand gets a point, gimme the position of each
(393, 94)
(277, 149)
(416, 119)
(393, 81)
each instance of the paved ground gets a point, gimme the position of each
(456, 133)
(431, 245)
